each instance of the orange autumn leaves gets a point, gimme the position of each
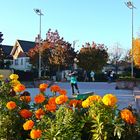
(136, 51)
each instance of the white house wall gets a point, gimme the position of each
(21, 63)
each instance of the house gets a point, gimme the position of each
(19, 53)
(6, 49)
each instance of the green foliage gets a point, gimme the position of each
(10, 121)
(104, 120)
(93, 57)
(95, 118)
(66, 125)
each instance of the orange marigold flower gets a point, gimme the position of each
(28, 125)
(35, 133)
(39, 113)
(40, 98)
(11, 105)
(109, 100)
(19, 88)
(127, 116)
(51, 107)
(94, 98)
(61, 99)
(15, 82)
(54, 88)
(43, 87)
(62, 92)
(73, 103)
(26, 99)
(25, 113)
(51, 100)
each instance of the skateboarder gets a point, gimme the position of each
(73, 82)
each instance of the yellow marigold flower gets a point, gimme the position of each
(14, 76)
(19, 88)
(85, 104)
(1, 76)
(61, 99)
(62, 92)
(26, 99)
(25, 113)
(28, 125)
(109, 100)
(43, 87)
(127, 116)
(39, 113)
(15, 82)
(39, 98)
(11, 105)
(35, 133)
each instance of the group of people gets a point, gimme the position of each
(73, 79)
(110, 76)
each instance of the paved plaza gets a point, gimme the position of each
(125, 97)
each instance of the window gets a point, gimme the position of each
(16, 62)
(21, 61)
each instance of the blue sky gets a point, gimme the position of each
(102, 21)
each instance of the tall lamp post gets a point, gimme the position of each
(130, 5)
(38, 12)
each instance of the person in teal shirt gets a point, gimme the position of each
(73, 82)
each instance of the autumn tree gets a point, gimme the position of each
(55, 53)
(33, 53)
(93, 57)
(136, 51)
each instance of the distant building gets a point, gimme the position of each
(6, 49)
(18, 57)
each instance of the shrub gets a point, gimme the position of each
(56, 117)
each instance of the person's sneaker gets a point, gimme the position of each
(74, 95)
(77, 93)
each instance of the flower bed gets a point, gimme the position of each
(59, 118)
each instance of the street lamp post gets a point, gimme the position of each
(130, 5)
(38, 12)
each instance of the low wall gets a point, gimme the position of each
(6, 73)
(125, 85)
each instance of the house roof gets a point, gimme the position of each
(26, 45)
(6, 49)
